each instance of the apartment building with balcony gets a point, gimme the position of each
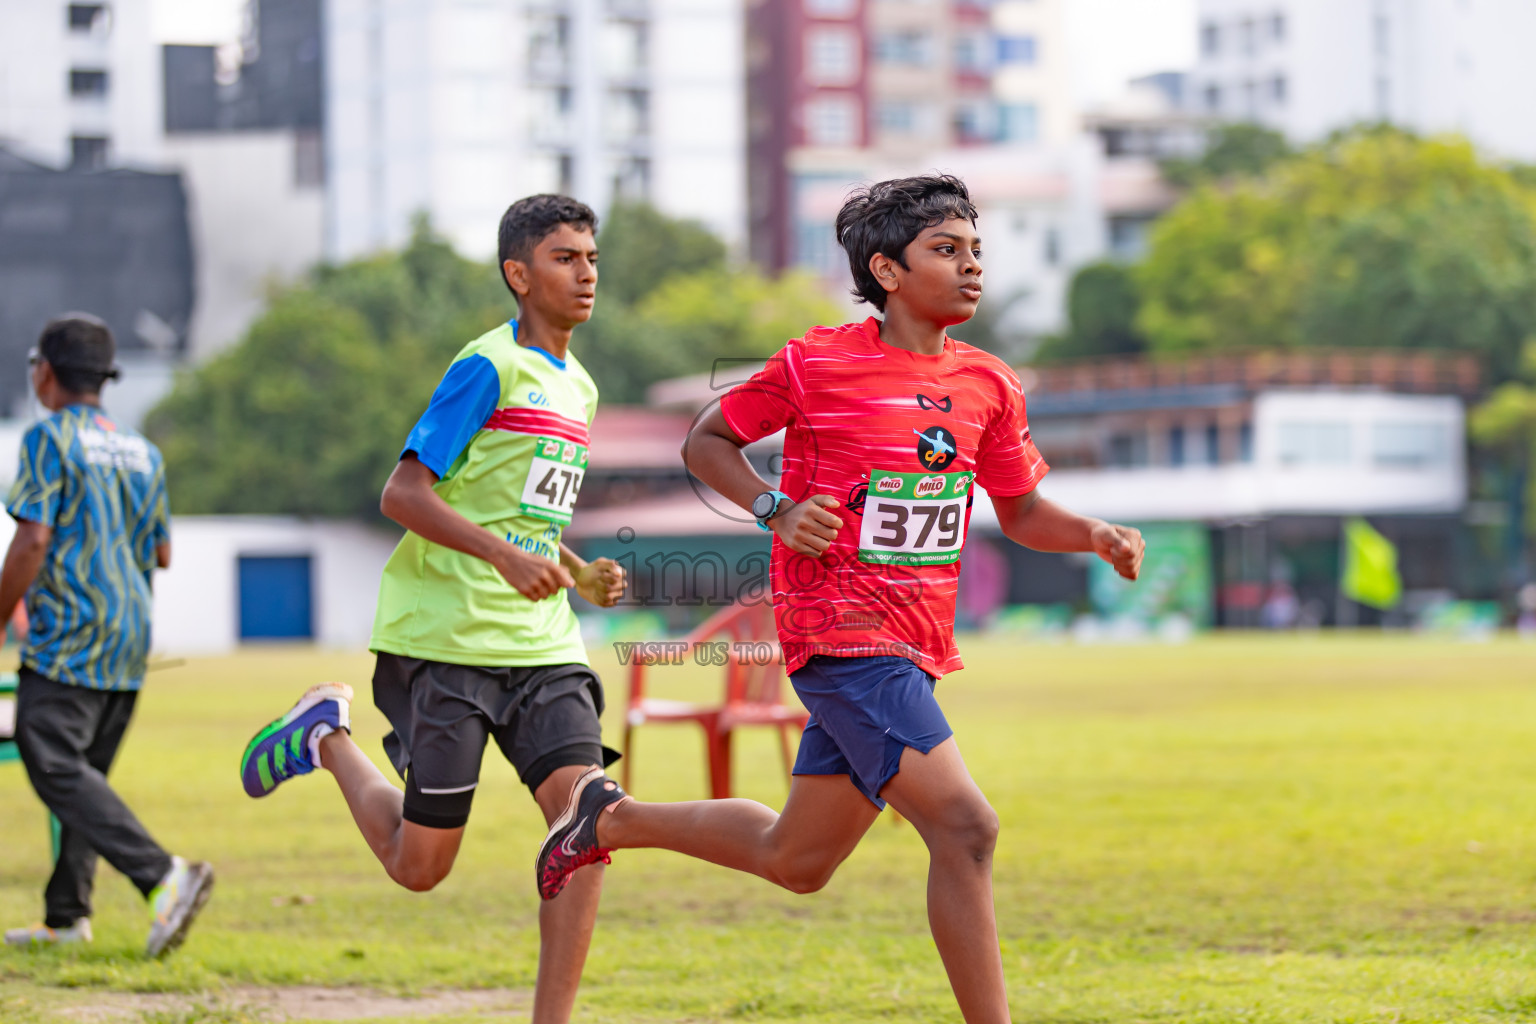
(1309, 67)
(455, 108)
(79, 83)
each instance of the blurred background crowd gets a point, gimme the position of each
(1271, 292)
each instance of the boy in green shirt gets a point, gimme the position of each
(474, 636)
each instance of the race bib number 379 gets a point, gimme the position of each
(554, 479)
(914, 518)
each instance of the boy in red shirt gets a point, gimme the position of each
(889, 423)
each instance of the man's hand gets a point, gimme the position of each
(1120, 546)
(808, 528)
(601, 581)
(534, 577)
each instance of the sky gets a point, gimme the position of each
(1111, 40)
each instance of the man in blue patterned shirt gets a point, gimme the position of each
(92, 523)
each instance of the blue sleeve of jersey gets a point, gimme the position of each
(459, 408)
(39, 482)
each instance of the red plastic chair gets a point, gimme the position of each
(752, 693)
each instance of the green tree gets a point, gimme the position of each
(1376, 238)
(690, 321)
(1101, 316)
(300, 418)
(1506, 423)
(1234, 150)
(640, 248)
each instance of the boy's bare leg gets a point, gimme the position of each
(565, 922)
(823, 820)
(415, 856)
(935, 792)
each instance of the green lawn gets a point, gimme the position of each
(1239, 829)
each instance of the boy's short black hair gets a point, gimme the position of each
(80, 349)
(529, 220)
(885, 217)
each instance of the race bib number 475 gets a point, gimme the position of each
(554, 479)
(914, 518)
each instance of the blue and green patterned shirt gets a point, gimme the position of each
(102, 490)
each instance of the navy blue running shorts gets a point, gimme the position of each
(864, 713)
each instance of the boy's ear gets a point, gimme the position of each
(884, 269)
(515, 272)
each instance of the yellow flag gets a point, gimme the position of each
(1370, 566)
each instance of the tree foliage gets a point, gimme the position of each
(305, 416)
(1374, 239)
(1241, 149)
(1101, 316)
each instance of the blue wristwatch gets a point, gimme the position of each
(766, 505)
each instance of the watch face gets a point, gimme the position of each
(764, 504)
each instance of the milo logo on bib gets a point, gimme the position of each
(914, 518)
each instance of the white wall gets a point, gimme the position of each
(196, 602)
(698, 108)
(252, 226)
(1349, 477)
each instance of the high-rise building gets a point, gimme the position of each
(247, 134)
(837, 87)
(79, 83)
(1308, 67)
(453, 108)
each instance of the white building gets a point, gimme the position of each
(455, 108)
(1307, 67)
(79, 82)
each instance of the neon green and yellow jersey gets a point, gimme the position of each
(506, 433)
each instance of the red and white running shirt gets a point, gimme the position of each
(897, 438)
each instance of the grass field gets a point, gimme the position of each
(1239, 829)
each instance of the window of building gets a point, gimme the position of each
(832, 56)
(632, 177)
(624, 48)
(1409, 445)
(1128, 235)
(1383, 35)
(1250, 96)
(88, 84)
(832, 121)
(1016, 50)
(1383, 98)
(1213, 98)
(975, 120)
(87, 17)
(1277, 90)
(1245, 442)
(1127, 450)
(1176, 446)
(1212, 444)
(1210, 39)
(908, 48)
(897, 117)
(628, 114)
(972, 54)
(548, 44)
(1277, 27)
(1052, 247)
(1017, 122)
(87, 152)
(1248, 36)
(1314, 443)
(308, 160)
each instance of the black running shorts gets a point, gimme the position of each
(542, 717)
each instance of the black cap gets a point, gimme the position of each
(81, 343)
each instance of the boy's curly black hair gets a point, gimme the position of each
(885, 217)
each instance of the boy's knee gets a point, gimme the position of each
(972, 829)
(420, 877)
(803, 875)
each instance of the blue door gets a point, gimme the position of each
(275, 598)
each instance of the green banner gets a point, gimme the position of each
(1175, 578)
